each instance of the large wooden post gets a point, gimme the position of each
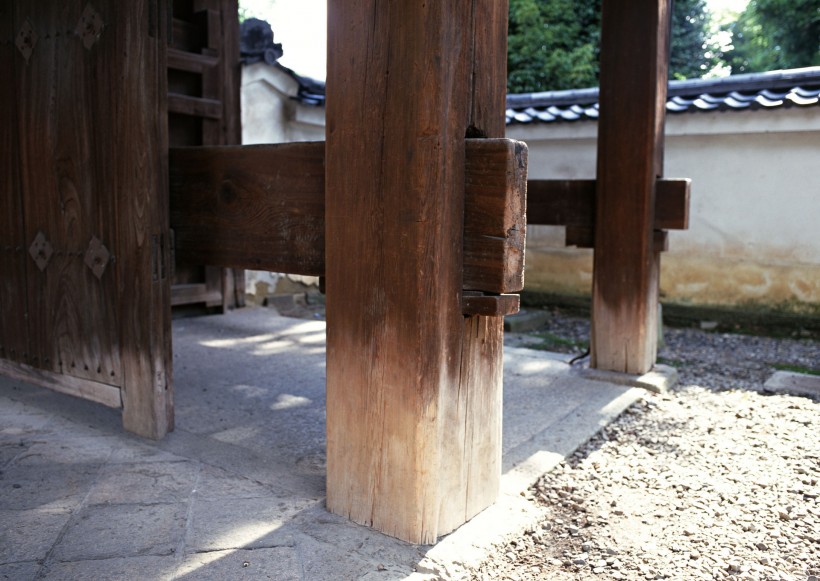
(634, 61)
(413, 387)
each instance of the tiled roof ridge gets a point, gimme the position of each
(257, 46)
(740, 83)
(770, 90)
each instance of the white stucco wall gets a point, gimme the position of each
(754, 235)
(270, 114)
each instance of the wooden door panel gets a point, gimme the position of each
(13, 332)
(67, 179)
(84, 239)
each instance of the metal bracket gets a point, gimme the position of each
(41, 250)
(26, 39)
(90, 26)
(97, 257)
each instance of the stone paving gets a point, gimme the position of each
(236, 491)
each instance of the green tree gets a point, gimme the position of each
(775, 34)
(691, 53)
(552, 45)
(555, 44)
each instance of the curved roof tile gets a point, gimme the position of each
(771, 90)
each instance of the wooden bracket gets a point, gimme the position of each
(489, 305)
(263, 207)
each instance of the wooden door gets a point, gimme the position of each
(83, 277)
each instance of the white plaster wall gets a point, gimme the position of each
(754, 235)
(270, 114)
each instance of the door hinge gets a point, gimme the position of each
(159, 258)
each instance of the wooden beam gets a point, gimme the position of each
(413, 387)
(254, 206)
(634, 62)
(195, 106)
(182, 60)
(571, 203)
(263, 207)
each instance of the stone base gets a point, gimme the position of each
(659, 380)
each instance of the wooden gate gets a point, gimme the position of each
(84, 245)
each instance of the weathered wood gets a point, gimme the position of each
(413, 387)
(477, 303)
(634, 59)
(275, 196)
(571, 203)
(108, 395)
(195, 106)
(493, 233)
(180, 60)
(672, 204)
(185, 294)
(186, 35)
(259, 207)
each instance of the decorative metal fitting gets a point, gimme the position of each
(41, 251)
(97, 257)
(90, 26)
(26, 39)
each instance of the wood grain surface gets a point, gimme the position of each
(413, 387)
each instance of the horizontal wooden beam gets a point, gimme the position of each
(571, 203)
(185, 294)
(262, 207)
(182, 60)
(196, 106)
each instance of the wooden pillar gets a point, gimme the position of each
(634, 61)
(413, 387)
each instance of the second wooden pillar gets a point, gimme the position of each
(634, 61)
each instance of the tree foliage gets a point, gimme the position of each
(775, 34)
(555, 44)
(691, 54)
(552, 45)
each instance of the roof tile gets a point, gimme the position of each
(772, 90)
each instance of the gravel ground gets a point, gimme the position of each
(717, 480)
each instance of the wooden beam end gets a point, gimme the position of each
(477, 303)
